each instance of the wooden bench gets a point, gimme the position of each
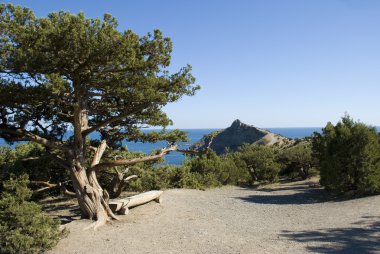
(121, 206)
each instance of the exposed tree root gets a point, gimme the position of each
(96, 224)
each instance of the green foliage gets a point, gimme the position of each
(165, 177)
(260, 162)
(151, 175)
(297, 160)
(23, 228)
(31, 159)
(349, 155)
(218, 170)
(50, 63)
(65, 76)
(105, 175)
(250, 163)
(205, 171)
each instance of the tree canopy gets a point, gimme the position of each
(65, 76)
(349, 156)
(49, 65)
(260, 161)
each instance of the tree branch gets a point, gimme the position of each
(32, 137)
(130, 177)
(31, 158)
(157, 156)
(64, 191)
(53, 185)
(113, 119)
(192, 151)
(104, 123)
(161, 154)
(94, 149)
(99, 153)
(61, 161)
(47, 184)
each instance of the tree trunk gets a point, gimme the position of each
(253, 174)
(302, 172)
(91, 197)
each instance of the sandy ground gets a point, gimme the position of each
(288, 218)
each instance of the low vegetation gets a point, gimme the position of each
(298, 160)
(251, 163)
(23, 228)
(346, 156)
(31, 159)
(260, 162)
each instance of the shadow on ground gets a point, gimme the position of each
(363, 237)
(299, 195)
(65, 209)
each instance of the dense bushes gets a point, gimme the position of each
(210, 170)
(205, 171)
(250, 163)
(218, 170)
(23, 228)
(260, 162)
(164, 177)
(33, 160)
(297, 160)
(349, 155)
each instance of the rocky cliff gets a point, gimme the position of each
(231, 138)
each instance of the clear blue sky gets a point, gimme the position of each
(271, 63)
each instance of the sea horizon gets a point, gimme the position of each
(176, 158)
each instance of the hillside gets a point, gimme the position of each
(231, 138)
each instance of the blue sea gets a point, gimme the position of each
(176, 158)
(195, 135)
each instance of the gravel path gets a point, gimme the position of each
(288, 218)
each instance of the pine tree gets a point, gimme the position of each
(67, 72)
(349, 156)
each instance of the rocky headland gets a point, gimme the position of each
(231, 138)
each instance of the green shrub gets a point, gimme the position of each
(349, 155)
(260, 162)
(149, 178)
(23, 228)
(297, 160)
(180, 177)
(218, 170)
(192, 180)
(205, 171)
(33, 160)
(164, 177)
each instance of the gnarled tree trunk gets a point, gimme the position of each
(90, 195)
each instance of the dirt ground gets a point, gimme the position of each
(293, 217)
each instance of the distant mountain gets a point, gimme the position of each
(231, 138)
